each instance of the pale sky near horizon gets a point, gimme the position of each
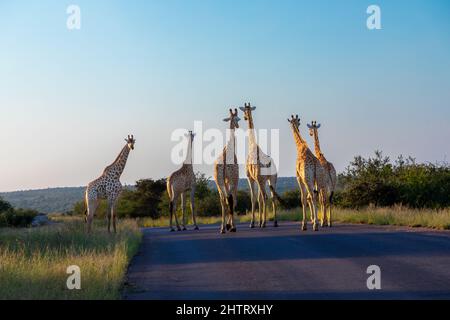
(69, 98)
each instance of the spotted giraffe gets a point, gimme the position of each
(226, 175)
(107, 187)
(326, 195)
(260, 168)
(179, 183)
(310, 174)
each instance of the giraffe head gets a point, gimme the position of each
(247, 109)
(130, 141)
(233, 118)
(294, 121)
(313, 128)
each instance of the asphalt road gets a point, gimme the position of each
(285, 263)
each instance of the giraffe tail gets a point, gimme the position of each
(276, 196)
(331, 197)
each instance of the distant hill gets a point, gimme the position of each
(62, 199)
(45, 200)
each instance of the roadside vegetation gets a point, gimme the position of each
(34, 261)
(396, 216)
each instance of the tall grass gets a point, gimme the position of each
(33, 262)
(397, 215)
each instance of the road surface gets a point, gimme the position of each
(285, 263)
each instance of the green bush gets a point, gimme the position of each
(19, 218)
(4, 205)
(378, 181)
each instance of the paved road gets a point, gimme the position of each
(284, 263)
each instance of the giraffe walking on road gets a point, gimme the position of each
(226, 175)
(330, 178)
(260, 168)
(179, 183)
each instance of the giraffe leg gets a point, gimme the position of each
(171, 200)
(312, 205)
(223, 206)
(193, 208)
(173, 212)
(233, 207)
(303, 204)
(273, 184)
(330, 204)
(92, 208)
(108, 215)
(251, 185)
(113, 215)
(262, 204)
(324, 210)
(183, 210)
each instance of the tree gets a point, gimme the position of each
(4, 205)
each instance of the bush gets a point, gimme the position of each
(379, 182)
(291, 199)
(19, 218)
(4, 205)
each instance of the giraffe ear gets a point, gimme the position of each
(253, 108)
(318, 126)
(242, 108)
(227, 119)
(309, 126)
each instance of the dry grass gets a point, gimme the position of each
(33, 262)
(400, 216)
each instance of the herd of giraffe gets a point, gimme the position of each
(316, 178)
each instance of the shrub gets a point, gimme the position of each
(4, 205)
(19, 218)
(379, 182)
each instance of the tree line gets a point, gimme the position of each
(375, 181)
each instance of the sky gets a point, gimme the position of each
(68, 98)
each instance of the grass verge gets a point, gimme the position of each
(33, 262)
(398, 216)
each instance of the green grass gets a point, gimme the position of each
(33, 262)
(399, 216)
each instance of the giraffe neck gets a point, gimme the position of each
(230, 148)
(299, 142)
(317, 150)
(251, 134)
(118, 165)
(188, 160)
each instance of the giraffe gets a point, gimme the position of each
(325, 214)
(178, 183)
(309, 174)
(226, 174)
(107, 187)
(260, 168)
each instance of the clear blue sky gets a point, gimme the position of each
(68, 98)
